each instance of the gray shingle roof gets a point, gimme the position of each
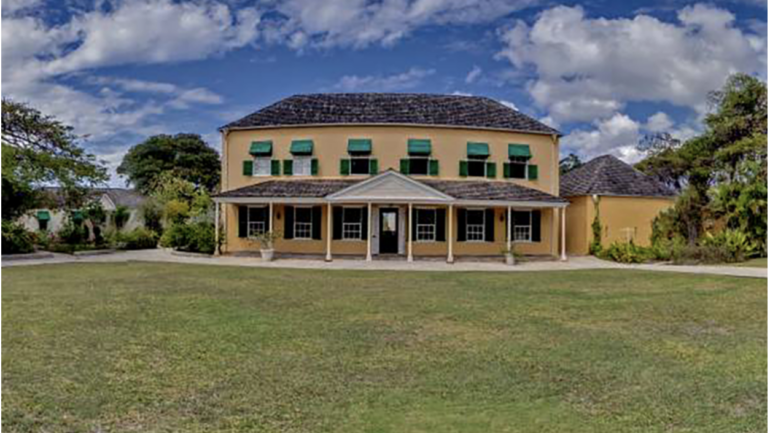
(391, 108)
(459, 189)
(490, 190)
(607, 175)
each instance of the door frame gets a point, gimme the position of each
(394, 210)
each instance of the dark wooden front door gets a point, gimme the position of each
(388, 231)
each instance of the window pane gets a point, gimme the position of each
(359, 166)
(426, 216)
(303, 215)
(418, 166)
(301, 166)
(477, 168)
(475, 217)
(518, 170)
(351, 215)
(262, 166)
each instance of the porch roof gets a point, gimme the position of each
(447, 191)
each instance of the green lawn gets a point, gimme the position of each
(163, 347)
(754, 263)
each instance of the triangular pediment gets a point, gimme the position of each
(390, 186)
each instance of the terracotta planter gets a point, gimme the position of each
(510, 260)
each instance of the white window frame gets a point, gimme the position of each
(527, 227)
(483, 225)
(262, 159)
(368, 159)
(518, 161)
(309, 225)
(431, 228)
(467, 163)
(427, 165)
(349, 227)
(304, 161)
(256, 224)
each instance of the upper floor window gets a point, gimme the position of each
(261, 163)
(518, 165)
(359, 160)
(477, 164)
(419, 161)
(301, 165)
(302, 162)
(262, 166)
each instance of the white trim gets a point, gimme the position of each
(339, 196)
(459, 203)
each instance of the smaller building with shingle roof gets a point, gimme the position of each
(625, 199)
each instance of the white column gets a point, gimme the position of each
(508, 229)
(216, 228)
(369, 232)
(450, 258)
(564, 234)
(409, 257)
(270, 216)
(329, 232)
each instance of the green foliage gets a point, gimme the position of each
(736, 245)
(185, 156)
(120, 216)
(17, 239)
(176, 211)
(152, 215)
(625, 252)
(73, 233)
(139, 238)
(196, 237)
(569, 163)
(596, 228)
(38, 149)
(723, 172)
(667, 249)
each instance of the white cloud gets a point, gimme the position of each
(387, 83)
(659, 122)
(590, 68)
(361, 23)
(473, 75)
(509, 104)
(459, 93)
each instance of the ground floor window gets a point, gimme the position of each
(257, 221)
(303, 223)
(426, 225)
(352, 223)
(474, 227)
(522, 226)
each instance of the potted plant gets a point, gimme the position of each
(508, 253)
(266, 242)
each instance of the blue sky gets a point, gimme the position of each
(603, 72)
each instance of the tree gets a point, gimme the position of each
(38, 149)
(569, 163)
(184, 155)
(722, 172)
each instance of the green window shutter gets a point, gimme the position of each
(536, 226)
(532, 172)
(242, 221)
(337, 222)
(433, 170)
(314, 167)
(316, 226)
(506, 170)
(461, 228)
(440, 225)
(344, 167)
(463, 168)
(248, 168)
(288, 167)
(364, 223)
(288, 222)
(374, 167)
(405, 166)
(491, 170)
(275, 167)
(489, 225)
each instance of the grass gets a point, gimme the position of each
(754, 263)
(164, 347)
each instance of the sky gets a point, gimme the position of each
(604, 73)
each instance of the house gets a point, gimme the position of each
(626, 200)
(374, 174)
(52, 218)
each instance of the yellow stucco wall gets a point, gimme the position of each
(234, 244)
(389, 145)
(621, 218)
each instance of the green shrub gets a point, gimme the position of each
(138, 239)
(197, 237)
(120, 216)
(667, 249)
(17, 239)
(735, 244)
(44, 239)
(626, 253)
(73, 233)
(701, 254)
